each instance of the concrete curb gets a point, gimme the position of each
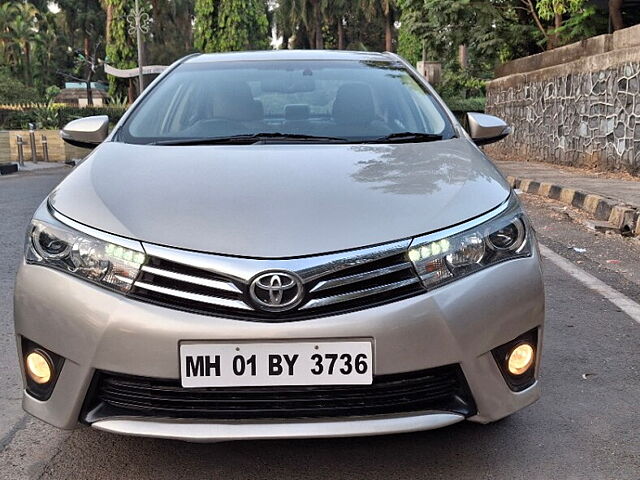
(621, 216)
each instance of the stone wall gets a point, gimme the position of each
(581, 112)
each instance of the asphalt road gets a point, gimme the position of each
(586, 426)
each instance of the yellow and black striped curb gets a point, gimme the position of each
(621, 216)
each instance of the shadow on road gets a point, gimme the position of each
(461, 451)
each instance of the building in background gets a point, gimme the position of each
(75, 94)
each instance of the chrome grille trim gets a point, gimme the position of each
(196, 297)
(205, 282)
(220, 285)
(324, 301)
(243, 269)
(359, 277)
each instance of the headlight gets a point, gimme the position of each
(55, 244)
(444, 256)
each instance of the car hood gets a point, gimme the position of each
(276, 201)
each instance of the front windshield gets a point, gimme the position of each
(344, 100)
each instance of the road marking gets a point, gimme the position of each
(620, 300)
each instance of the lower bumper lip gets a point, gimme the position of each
(212, 432)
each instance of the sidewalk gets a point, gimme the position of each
(30, 167)
(613, 200)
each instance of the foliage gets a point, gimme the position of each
(363, 31)
(580, 25)
(343, 24)
(39, 47)
(231, 25)
(548, 9)
(120, 50)
(51, 115)
(119, 101)
(13, 90)
(242, 25)
(409, 46)
(206, 25)
(47, 116)
(83, 24)
(559, 22)
(386, 9)
(171, 31)
(491, 29)
(458, 82)
(20, 25)
(458, 104)
(51, 92)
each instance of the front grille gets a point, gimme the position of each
(438, 389)
(359, 280)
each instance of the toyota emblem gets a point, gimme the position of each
(276, 291)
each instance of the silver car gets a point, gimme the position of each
(281, 245)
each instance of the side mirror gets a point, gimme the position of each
(87, 132)
(486, 129)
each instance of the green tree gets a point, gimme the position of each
(338, 23)
(409, 46)
(315, 22)
(335, 13)
(206, 25)
(302, 19)
(568, 17)
(22, 32)
(490, 30)
(230, 25)
(84, 21)
(13, 90)
(242, 25)
(386, 8)
(286, 20)
(120, 49)
(48, 55)
(171, 34)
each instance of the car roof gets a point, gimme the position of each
(291, 55)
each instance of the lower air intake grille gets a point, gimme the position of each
(437, 389)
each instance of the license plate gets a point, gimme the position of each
(276, 363)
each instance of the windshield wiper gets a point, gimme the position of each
(253, 138)
(406, 137)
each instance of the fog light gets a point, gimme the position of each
(520, 359)
(39, 367)
(517, 360)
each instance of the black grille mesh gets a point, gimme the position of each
(439, 389)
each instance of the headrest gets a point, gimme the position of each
(234, 101)
(296, 112)
(354, 104)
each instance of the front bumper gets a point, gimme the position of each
(460, 323)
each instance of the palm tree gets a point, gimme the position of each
(286, 19)
(46, 42)
(316, 21)
(294, 16)
(336, 10)
(23, 32)
(388, 9)
(7, 50)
